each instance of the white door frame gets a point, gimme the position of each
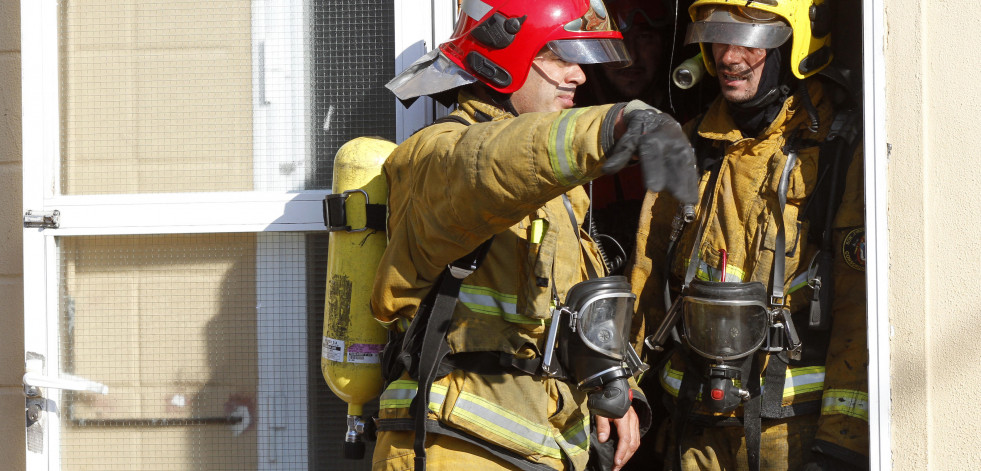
(877, 231)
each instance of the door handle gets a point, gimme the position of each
(64, 381)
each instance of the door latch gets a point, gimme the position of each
(42, 219)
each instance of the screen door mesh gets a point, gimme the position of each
(209, 345)
(224, 95)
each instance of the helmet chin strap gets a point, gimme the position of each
(501, 100)
(754, 115)
(770, 83)
(548, 78)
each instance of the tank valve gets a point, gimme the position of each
(354, 447)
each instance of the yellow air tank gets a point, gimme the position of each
(353, 339)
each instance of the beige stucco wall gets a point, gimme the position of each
(932, 95)
(11, 265)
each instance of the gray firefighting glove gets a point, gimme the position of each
(667, 159)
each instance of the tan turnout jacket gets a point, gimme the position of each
(454, 186)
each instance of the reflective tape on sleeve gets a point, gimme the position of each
(561, 150)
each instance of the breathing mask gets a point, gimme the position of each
(589, 336)
(724, 323)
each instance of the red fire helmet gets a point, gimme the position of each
(496, 40)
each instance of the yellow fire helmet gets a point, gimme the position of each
(765, 24)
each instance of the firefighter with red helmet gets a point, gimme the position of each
(508, 342)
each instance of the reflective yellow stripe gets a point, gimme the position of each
(803, 380)
(671, 379)
(847, 402)
(575, 440)
(494, 419)
(537, 232)
(487, 301)
(799, 282)
(506, 424)
(707, 273)
(799, 380)
(399, 395)
(560, 148)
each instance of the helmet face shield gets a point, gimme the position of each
(765, 24)
(591, 51)
(604, 323)
(745, 27)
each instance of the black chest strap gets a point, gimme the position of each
(424, 346)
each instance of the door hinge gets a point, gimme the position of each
(42, 219)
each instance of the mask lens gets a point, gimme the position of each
(724, 330)
(604, 323)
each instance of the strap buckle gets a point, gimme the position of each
(335, 213)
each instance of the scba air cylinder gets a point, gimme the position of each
(352, 338)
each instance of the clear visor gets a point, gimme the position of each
(591, 51)
(747, 27)
(604, 323)
(724, 329)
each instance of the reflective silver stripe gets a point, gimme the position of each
(799, 282)
(564, 164)
(475, 9)
(506, 425)
(803, 380)
(847, 402)
(671, 379)
(487, 301)
(798, 380)
(400, 393)
(575, 440)
(493, 418)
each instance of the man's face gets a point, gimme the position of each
(550, 86)
(644, 45)
(739, 69)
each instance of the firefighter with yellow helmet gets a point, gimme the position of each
(508, 341)
(754, 298)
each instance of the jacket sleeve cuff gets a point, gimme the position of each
(609, 122)
(642, 408)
